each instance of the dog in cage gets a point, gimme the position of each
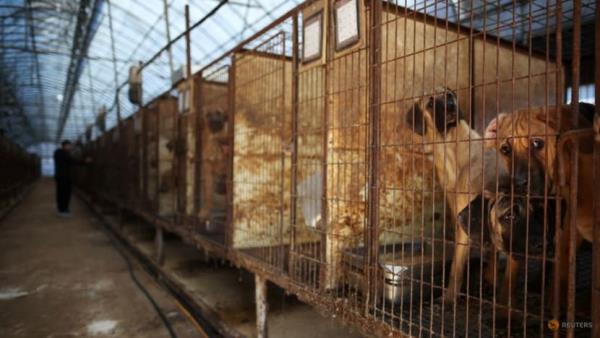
(463, 167)
(508, 222)
(534, 143)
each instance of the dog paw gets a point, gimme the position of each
(449, 298)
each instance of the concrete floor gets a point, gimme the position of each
(61, 277)
(229, 292)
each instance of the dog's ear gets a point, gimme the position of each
(587, 112)
(550, 116)
(414, 120)
(473, 218)
(492, 128)
(584, 120)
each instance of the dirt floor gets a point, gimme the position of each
(62, 277)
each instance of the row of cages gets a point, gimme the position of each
(19, 169)
(421, 169)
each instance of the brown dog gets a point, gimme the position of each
(529, 144)
(460, 163)
(513, 225)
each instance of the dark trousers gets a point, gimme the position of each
(63, 193)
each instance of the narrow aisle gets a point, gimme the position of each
(61, 277)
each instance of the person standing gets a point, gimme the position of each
(62, 175)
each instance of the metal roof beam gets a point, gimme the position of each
(85, 27)
(37, 63)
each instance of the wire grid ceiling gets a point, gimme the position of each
(38, 38)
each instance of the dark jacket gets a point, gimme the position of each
(62, 164)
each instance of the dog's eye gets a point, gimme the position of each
(450, 105)
(537, 143)
(508, 218)
(430, 104)
(505, 148)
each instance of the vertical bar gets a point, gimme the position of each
(198, 93)
(114, 61)
(372, 233)
(231, 139)
(180, 163)
(187, 43)
(157, 121)
(182, 181)
(326, 269)
(261, 306)
(168, 32)
(284, 145)
(558, 214)
(294, 178)
(159, 245)
(596, 245)
(144, 163)
(575, 63)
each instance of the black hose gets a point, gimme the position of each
(143, 289)
(120, 244)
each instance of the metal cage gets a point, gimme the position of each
(417, 168)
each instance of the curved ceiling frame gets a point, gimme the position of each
(41, 72)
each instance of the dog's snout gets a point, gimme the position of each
(537, 242)
(521, 182)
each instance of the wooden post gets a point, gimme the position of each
(261, 307)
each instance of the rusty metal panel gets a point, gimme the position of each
(306, 259)
(346, 182)
(129, 175)
(167, 110)
(261, 149)
(150, 158)
(214, 128)
(184, 146)
(138, 158)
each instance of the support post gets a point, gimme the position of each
(294, 140)
(168, 32)
(114, 61)
(188, 44)
(596, 244)
(159, 244)
(371, 235)
(261, 307)
(573, 203)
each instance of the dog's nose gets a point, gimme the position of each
(521, 182)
